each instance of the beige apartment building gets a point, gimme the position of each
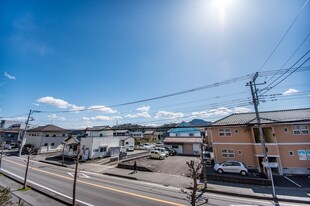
(286, 134)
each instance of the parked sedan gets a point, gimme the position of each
(231, 167)
(171, 151)
(157, 155)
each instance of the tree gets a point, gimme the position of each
(195, 196)
(5, 196)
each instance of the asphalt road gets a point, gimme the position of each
(96, 189)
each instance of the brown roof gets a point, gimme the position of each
(182, 140)
(48, 128)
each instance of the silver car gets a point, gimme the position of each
(231, 167)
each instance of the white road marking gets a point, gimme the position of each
(51, 190)
(82, 175)
(292, 181)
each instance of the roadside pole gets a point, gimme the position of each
(203, 163)
(255, 99)
(30, 150)
(23, 137)
(75, 173)
(2, 151)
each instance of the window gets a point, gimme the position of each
(291, 153)
(304, 129)
(127, 142)
(221, 132)
(47, 135)
(52, 144)
(103, 149)
(45, 144)
(296, 129)
(191, 134)
(63, 135)
(285, 130)
(228, 153)
(224, 132)
(101, 135)
(54, 135)
(236, 131)
(227, 132)
(177, 134)
(239, 152)
(300, 129)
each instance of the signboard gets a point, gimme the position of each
(270, 164)
(302, 155)
(308, 154)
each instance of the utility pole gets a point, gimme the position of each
(23, 138)
(2, 151)
(30, 151)
(255, 99)
(75, 173)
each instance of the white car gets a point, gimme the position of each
(157, 155)
(162, 150)
(231, 166)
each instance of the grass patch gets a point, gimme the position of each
(24, 189)
(1, 174)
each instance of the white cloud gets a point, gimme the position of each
(102, 118)
(139, 115)
(290, 92)
(242, 110)
(62, 104)
(9, 76)
(54, 116)
(143, 108)
(36, 104)
(221, 111)
(17, 118)
(102, 108)
(168, 115)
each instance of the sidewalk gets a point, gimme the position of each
(262, 192)
(29, 197)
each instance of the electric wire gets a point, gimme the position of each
(281, 40)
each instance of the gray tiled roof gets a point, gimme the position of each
(290, 115)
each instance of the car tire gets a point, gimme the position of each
(243, 173)
(220, 171)
(160, 157)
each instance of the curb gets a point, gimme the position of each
(51, 163)
(226, 193)
(121, 176)
(257, 197)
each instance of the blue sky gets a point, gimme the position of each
(71, 55)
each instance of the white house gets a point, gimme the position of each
(185, 139)
(46, 138)
(99, 142)
(125, 139)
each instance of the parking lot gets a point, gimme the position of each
(177, 165)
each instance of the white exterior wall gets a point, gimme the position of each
(40, 140)
(185, 134)
(94, 141)
(104, 133)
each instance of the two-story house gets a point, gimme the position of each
(46, 138)
(185, 139)
(99, 142)
(286, 136)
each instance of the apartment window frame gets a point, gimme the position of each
(225, 132)
(227, 153)
(239, 152)
(300, 129)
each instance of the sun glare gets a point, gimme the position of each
(221, 4)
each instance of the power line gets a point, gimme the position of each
(268, 88)
(289, 28)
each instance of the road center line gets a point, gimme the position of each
(102, 187)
